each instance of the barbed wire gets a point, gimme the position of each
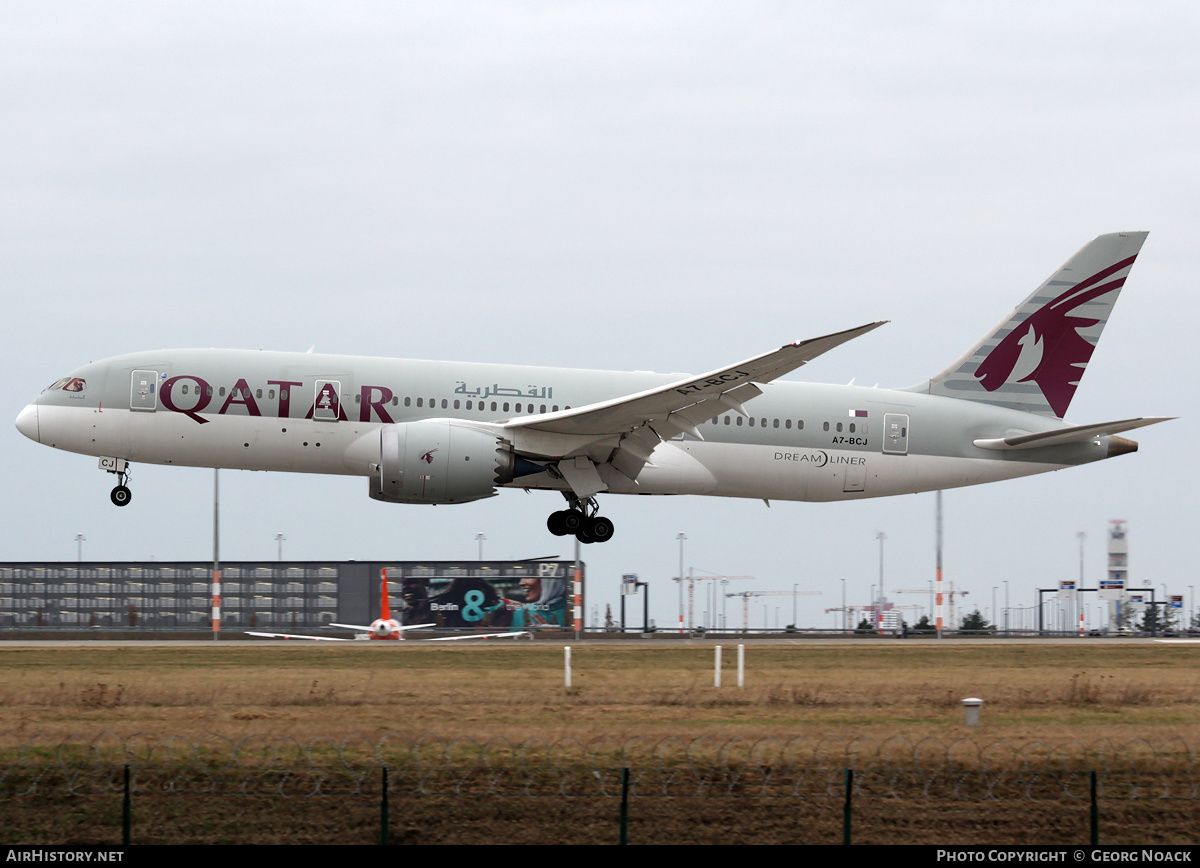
(800, 767)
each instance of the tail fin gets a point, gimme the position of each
(385, 611)
(1034, 360)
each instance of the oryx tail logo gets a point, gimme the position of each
(428, 456)
(1046, 347)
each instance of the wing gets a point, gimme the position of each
(513, 635)
(292, 636)
(623, 432)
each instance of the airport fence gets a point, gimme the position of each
(430, 789)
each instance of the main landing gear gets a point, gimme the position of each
(581, 521)
(121, 495)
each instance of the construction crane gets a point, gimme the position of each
(746, 595)
(877, 613)
(948, 590)
(693, 578)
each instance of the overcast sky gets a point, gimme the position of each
(657, 186)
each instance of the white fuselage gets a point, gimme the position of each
(324, 414)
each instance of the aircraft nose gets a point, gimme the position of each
(27, 422)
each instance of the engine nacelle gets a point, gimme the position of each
(440, 461)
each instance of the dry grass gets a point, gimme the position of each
(1048, 692)
(866, 703)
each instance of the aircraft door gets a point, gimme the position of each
(327, 401)
(895, 433)
(143, 391)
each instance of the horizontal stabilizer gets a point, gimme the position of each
(368, 629)
(1074, 434)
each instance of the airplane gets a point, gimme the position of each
(445, 432)
(387, 627)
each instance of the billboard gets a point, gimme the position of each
(511, 599)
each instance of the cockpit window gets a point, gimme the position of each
(69, 384)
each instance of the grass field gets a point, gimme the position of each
(1031, 691)
(890, 695)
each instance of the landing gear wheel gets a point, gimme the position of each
(573, 520)
(121, 496)
(599, 528)
(557, 523)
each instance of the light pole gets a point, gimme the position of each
(279, 538)
(881, 536)
(681, 536)
(79, 538)
(845, 614)
(480, 537)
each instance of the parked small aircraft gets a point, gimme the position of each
(387, 627)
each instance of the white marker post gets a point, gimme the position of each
(567, 664)
(741, 666)
(717, 668)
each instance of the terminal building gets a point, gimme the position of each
(284, 595)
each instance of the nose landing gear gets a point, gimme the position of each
(121, 495)
(581, 521)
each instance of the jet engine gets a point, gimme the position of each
(443, 461)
